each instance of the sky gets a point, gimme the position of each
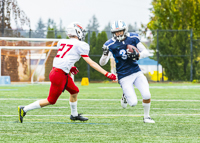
(81, 11)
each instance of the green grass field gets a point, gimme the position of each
(174, 107)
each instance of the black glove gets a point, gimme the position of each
(105, 50)
(134, 55)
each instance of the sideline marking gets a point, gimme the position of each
(168, 100)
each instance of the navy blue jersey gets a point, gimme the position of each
(124, 65)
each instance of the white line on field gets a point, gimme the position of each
(111, 115)
(158, 87)
(179, 109)
(7, 89)
(167, 100)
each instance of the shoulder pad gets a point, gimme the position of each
(133, 34)
(83, 44)
(109, 42)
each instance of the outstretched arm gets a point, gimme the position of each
(94, 65)
(98, 68)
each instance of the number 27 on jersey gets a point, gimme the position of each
(64, 48)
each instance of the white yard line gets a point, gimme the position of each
(7, 89)
(159, 87)
(179, 109)
(104, 115)
(167, 100)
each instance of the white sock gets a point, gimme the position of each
(146, 107)
(34, 105)
(73, 106)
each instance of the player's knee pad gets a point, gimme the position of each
(147, 96)
(133, 103)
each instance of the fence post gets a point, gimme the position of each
(55, 34)
(88, 66)
(30, 33)
(157, 57)
(191, 55)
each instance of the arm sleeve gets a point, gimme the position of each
(104, 59)
(143, 51)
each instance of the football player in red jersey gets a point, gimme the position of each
(69, 52)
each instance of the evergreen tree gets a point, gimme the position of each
(61, 31)
(93, 24)
(101, 39)
(96, 44)
(51, 24)
(40, 29)
(97, 52)
(93, 39)
(50, 33)
(107, 30)
(86, 38)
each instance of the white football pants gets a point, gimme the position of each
(140, 81)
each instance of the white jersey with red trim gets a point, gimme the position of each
(69, 52)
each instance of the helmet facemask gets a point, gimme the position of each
(120, 37)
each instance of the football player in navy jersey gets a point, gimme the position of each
(128, 70)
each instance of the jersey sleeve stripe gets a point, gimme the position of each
(84, 56)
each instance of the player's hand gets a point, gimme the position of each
(111, 76)
(105, 50)
(74, 70)
(134, 55)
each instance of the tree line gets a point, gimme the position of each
(174, 24)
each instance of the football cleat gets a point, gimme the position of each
(123, 101)
(21, 113)
(148, 120)
(79, 117)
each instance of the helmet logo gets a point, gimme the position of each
(116, 25)
(79, 26)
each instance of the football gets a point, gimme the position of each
(130, 48)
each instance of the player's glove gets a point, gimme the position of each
(74, 70)
(105, 50)
(134, 55)
(111, 76)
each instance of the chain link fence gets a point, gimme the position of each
(176, 54)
